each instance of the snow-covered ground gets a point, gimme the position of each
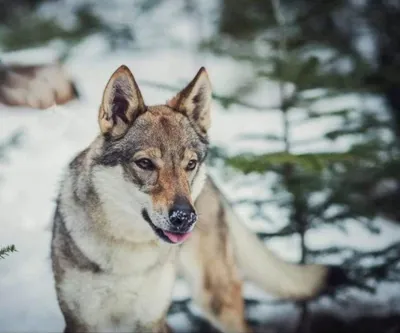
(30, 176)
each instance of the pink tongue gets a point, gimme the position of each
(177, 238)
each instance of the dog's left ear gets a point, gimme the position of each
(122, 103)
(195, 101)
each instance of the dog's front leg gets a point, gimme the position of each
(208, 264)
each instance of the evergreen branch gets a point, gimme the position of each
(391, 251)
(332, 135)
(285, 231)
(318, 210)
(260, 214)
(285, 105)
(305, 142)
(257, 136)
(316, 10)
(357, 255)
(5, 251)
(340, 216)
(257, 202)
(355, 274)
(334, 250)
(261, 163)
(312, 115)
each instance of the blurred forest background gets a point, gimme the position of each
(337, 60)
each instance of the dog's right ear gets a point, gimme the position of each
(122, 103)
(195, 101)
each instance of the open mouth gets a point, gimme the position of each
(168, 236)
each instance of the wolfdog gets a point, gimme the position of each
(136, 209)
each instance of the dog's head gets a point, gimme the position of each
(152, 157)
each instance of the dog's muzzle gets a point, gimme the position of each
(182, 216)
(181, 222)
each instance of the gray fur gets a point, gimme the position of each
(113, 267)
(113, 264)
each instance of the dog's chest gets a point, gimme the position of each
(113, 303)
(128, 295)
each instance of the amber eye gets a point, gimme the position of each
(191, 165)
(145, 164)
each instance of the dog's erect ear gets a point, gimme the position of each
(195, 101)
(122, 103)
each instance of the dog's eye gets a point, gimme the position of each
(145, 164)
(191, 165)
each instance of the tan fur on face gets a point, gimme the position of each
(163, 198)
(184, 120)
(171, 156)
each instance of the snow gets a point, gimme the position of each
(33, 56)
(31, 174)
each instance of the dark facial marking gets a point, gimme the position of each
(146, 216)
(131, 174)
(114, 153)
(196, 171)
(165, 123)
(111, 157)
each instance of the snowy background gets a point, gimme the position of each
(30, 174)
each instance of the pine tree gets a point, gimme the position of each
(325, 187)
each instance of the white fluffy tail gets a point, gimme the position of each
(273, 274)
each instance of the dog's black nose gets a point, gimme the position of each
(182, 214)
